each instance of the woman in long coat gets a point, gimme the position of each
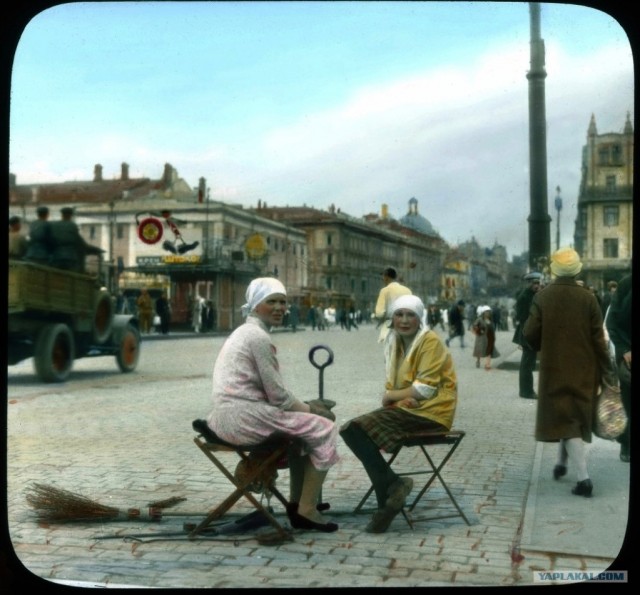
(485, 337)
(565, 326)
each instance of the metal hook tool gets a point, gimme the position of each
(321, 366)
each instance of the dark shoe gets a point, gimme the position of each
(583, 488)
(625, 455)
(559, 471)
(381, 519)
(397, 494)
(300, 522)
(531, 396)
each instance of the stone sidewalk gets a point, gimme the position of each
(127, 440)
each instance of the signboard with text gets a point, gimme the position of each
(168, 259)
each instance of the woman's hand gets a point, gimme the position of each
(319, 407)
(408, 403)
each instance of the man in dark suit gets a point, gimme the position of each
(529, 355)
(40, 243)
(69, 247)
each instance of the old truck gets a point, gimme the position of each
(57, 316)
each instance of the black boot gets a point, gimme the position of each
(583, 488)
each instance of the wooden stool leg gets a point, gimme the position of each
(241, 490)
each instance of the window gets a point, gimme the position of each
(92, 232)
(328, 239)
(583, 219)
(616, 154)
(329, 259)
(603, 155)
(329, 283)
(611, 184)
(610, 216)
(610, 248)
(120, 231)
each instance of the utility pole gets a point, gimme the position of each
(539, 219)
(558, 203)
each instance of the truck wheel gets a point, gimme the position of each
(128, 349)
(102, 317)
(54, 353)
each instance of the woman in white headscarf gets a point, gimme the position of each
(420, 394)
(485, 337)
(250, 403)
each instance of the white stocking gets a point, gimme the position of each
(577, 455)
(562, 453)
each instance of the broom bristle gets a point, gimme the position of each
(56, 504)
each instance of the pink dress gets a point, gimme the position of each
(250, 401)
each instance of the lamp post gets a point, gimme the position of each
(558, 203)
(112, 267)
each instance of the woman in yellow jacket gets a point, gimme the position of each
(420, 395)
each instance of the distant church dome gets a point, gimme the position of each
(415, 221)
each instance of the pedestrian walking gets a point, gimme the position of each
(565, 326)
(456, 323)
(294, 316)
(163, 310)
(311, 317)
(197, 312)
(144, 304)
(484, 345)
(434, 317)
(619, 327)
(524, 298)
(388, 294)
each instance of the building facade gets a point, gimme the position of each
(346, 255)
(603, 233)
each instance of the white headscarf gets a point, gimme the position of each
(482, 309)
(259, 290)
(405, 302)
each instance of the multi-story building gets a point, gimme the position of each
(603, 233)
(211, 249)
(220, 247)
(347, 255)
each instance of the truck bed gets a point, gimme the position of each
(34, 287)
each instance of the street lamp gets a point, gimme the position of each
(558, 203)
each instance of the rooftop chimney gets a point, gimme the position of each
(124, 172)
(97, 173)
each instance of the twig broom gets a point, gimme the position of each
(57, 505)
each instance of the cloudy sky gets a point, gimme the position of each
(356, 104)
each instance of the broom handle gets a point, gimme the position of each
(150, 514)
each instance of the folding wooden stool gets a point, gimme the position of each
(272, 452)
(428, 442)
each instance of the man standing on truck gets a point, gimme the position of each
(40, 243)
(17, 240)
(69, 247)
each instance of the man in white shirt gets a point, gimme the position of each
(388, 294)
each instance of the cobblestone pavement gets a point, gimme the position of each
(126, 440)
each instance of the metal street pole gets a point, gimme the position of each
(539, 219)
(558, 203)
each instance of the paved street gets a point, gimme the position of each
(125, 440)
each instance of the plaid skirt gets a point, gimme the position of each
(388, 426)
